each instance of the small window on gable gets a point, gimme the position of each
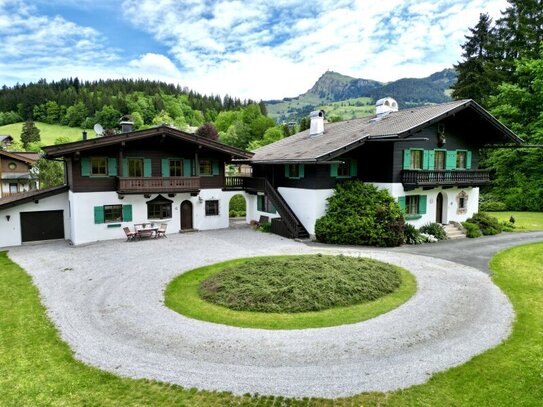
(416, 160)
(113, 213)
(212, 208)
(344, 169)
(294, 170)
(98, 166)
(461, 160)
(176, 168)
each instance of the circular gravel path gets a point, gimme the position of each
(107, 301)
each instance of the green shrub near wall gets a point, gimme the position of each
(361, 214)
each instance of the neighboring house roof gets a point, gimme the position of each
(29, 158)
(341, 137)
(30, 196)
(5, 137)
(60, 150)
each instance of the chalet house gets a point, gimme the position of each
(5, 140)
(427, 157)
(15, 173)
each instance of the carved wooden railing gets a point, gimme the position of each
(422, 178)
(157, 184)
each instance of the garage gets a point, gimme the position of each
(42, 225)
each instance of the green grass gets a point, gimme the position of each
(48, 132)
(524, 221)
(182, 296)
(38, 369)
(294, 284)
(350, 108)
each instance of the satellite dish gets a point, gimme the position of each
(98, 129)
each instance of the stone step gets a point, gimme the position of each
(453, 232)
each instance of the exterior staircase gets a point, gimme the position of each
(454, 231)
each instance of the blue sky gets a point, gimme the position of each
(256, 49)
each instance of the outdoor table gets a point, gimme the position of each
(147, 232)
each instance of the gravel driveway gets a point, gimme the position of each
(107, 301)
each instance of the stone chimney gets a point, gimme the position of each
(84, 134)
(317, 123)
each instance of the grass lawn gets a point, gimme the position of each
(38, 369)
(182, 295)
(48, 132)
(524, 221)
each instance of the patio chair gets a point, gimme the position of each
(130, 235)
(161, 232)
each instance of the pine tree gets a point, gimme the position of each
(477, 73)
(30, 133)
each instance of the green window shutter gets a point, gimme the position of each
(186, 168)
(302, 171)
(431, 160)
(406, 159)
(85, 166)
(401, 202)
(425, 160)
(468, 160)
(215, 168)
(112, 167)
(333, 170)
(422, 204)
(354, 168)
(125, 167)
(165, 167)
(450, 162)
(99, 214)
(287, 170)
(127, 213)
(259, 202)
(146, 167)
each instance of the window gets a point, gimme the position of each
(98, 166)
(159, 210)
(176, 168)
(344, 169)
(206, 167)
(416, 160)
(294, 170)
(12, 166)
(461, 160)
(212, 208)
(263, 204)
(113, 213)
(439, 160)
(462, 203)
(13, 188)
(412, 204)
(135, 167)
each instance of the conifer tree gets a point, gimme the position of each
(30, 133)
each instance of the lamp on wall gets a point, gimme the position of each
(200, 200)
(8, 217)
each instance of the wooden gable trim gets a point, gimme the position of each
(17, 157)
(83, 145)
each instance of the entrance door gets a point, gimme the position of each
(439, 208)
(186, 215)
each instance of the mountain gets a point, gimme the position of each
(348, 96)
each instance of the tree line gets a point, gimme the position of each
(502, 69)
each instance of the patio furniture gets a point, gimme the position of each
(147, 232)
(129, 234)
(161, 232)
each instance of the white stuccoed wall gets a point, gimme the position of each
(10, 231)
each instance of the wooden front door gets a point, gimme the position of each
(186, 215)
(439, 208)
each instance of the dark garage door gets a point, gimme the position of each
(42, 225)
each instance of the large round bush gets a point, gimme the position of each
(361, 214)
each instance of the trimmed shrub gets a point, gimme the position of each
(472, 229)
(434, 229)
(237, 203)
(361, 214)
(488, 225)
(412, 235)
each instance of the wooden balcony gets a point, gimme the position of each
(155, 185)
(253, 184)
(434, 178)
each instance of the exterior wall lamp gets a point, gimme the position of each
(8, 217)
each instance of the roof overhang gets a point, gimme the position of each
(31, 196)
(16, 156)
(62, 150)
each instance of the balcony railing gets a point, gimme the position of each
(430, 178)
(131, 185)
(242, 183)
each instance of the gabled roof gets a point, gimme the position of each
(29, 158)
(341, 137)
(30, 196)
(4, 137)
(61, 150)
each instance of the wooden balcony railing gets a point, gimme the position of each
(251, 183)
(131, 185)
(429, 178)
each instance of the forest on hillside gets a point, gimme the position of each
(502, 69)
